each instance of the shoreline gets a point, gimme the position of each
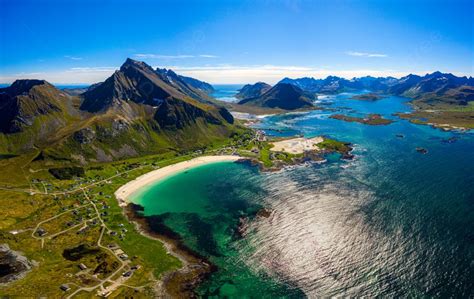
(195, 268)
(125, 191)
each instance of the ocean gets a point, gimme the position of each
(392, 222)
(226, 92)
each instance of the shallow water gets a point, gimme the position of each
(392, 222)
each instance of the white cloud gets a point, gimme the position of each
(157, 56)
(227, 74)
(81, 75)
(365, 54)
(106, 69)
(73, 57)
(217, 74)
(208, 56)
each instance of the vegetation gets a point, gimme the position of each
(334, 145)
(368, 97)
(370, 119)
(67, 173)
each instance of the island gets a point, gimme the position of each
(371, 97)
(371, 119)
(276, 154)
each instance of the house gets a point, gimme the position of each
(118, 251)
(64, 287)
(112, 246)
(82, 266)
(136, 267)
(123, 257)
(41, 232)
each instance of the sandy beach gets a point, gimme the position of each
(126, 190)
(296, 145)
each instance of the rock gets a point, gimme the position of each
(84, 136)
(421, 150)
(13, 265)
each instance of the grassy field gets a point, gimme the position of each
(25, 212)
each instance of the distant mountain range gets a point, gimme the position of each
(435, 88)
(136, 110)
(428, 83)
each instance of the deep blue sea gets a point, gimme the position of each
(391, 223)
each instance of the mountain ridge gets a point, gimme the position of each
(132, 112)
(281, 96)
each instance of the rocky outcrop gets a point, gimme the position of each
(13, 265)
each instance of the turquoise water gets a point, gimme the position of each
(226, 92)
(392, 222)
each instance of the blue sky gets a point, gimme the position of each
(234, 41)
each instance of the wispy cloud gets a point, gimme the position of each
(72, 57)
(365, 54)
(217, 74)
(227, 74)
(160, 56)
(28, 75)
(93, 69)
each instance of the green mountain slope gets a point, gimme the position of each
(283, 96)
(133, 112)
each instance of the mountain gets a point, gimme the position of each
(330, 85)
(410, 86)
(198, 84)
(135, 82)
(373, 83)
(282, 96)
(133, 112)
(191, 87)
(437, 82)
(403, 84)
(27, 102)
(32, 112)
(445, 98)
(253, 90)
(308, 84)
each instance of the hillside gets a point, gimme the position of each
(253, 90)
(198, 84)
(31, 111)
(190, 87)
(283, 96)
(133, 112)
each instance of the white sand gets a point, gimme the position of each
(126, 190)
(296, 145)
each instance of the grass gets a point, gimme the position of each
(334, 145)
